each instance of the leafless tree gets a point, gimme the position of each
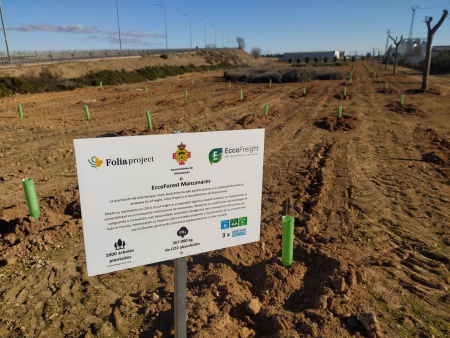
(255, 52)
(387, 56)
(430, 35)
(396, 43)
(241, 42)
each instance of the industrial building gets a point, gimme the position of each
(439, 49)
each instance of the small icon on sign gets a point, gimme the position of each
(242, 221)
(215, 155)
(119, 244)
(225, 224)
(234, 222)
(95, 162)
(182, 232)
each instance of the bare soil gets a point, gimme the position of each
(370, 195)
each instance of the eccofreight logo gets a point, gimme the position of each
(215, 155)
(242, 150)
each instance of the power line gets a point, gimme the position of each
(413, 8)
(438, 5)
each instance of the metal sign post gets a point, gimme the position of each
(180, 297)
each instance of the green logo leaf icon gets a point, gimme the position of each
(215, 155)
(95, 162)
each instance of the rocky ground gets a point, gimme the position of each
(370, 194)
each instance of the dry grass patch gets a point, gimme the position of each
(261, 75)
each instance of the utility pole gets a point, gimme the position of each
(410, 44)
(4, 33)
(387, 40)
(118, 26)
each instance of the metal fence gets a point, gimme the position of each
(53, 56)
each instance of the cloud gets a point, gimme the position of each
(128, 37)
(138, 34)
(74, 29)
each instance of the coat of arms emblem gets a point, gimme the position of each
(182, 154)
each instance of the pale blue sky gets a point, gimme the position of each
(273, 25)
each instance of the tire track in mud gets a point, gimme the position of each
(308, 187)
(305, 183)
(387, 165)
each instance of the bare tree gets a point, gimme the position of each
(396, 43)
(387, 56)
(255, 52)
(241, 42)
(430, 35)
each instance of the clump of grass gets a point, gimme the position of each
(257, 75)
(48, 80)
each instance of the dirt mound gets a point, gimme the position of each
(385, 90)
(407, 109)
(436, 157)
(437, 149)
(335, 123)
(256, 120)
(341, 96)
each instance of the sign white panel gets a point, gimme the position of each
(146, 199)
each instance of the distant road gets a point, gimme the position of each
(58, 56)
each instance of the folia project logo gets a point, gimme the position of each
(95, 162)
(182, 154)
(215, 155)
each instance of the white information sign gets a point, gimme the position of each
(146, 199)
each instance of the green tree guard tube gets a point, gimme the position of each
(101, 85)
(402, 99)
(193, 82)
(387, 84)
(270, 83)
(88, 116)
(287, 240)
(31, 196)
(241, 95)
(185, 94)
(19, 108)
(229, 84)
(340, 112)
(350, 81)
(266, 109)
(345, 91)
(149, 120)
(146, 91)
(304, 91)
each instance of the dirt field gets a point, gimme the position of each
(370, 194)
